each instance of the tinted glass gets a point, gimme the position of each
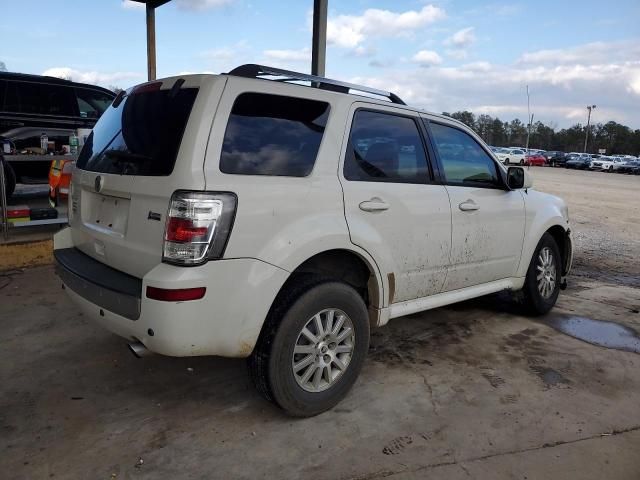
(141, 136)
(92, 103)
(463, 160)
(40, 98)
(385, 148)
(273, 135)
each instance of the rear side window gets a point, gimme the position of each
(273, 135)
(92, 103)
(141, 136)
(40, 99)
(464, 161)
(385, 148)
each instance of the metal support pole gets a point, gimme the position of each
(3, 200)
(586, 134)
(319, 40)
(151, 42)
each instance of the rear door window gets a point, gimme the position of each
(141, 136)
(273, 135)
(384, 147)
(92, 103)
(40, 99)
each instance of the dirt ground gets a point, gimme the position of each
(469, 391)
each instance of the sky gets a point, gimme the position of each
(440, 55)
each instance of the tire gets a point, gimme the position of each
(537, 300)
(521, 162)
(271, 365)
(10, 178)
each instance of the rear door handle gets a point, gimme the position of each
(469, 206)
(374, 205)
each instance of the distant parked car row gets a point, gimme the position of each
(574, 160)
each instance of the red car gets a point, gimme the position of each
(536, 160)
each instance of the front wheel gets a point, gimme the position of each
(542, 283)
(313, 347)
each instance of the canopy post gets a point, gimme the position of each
(151, 41)
(319, 41)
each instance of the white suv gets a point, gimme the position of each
(238, 216)
(508, 156)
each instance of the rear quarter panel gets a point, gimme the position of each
(284, 220)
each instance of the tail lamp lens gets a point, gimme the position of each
(198, 226)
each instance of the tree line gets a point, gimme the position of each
(612, 136)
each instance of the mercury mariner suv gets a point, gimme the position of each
(278, 216)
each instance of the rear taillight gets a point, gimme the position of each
(198, 226)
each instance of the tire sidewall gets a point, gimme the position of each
(286, 391)
(540, 304)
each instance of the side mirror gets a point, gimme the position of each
(518, 178)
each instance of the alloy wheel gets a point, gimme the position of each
(546, 277)
(323, 350)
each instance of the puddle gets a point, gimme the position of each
(597, 332)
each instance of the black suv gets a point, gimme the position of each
(31, 105)
(555, 158)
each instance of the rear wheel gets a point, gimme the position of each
(312, 348)
(521, 162)
(542, 283)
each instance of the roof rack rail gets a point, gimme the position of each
(251, 70)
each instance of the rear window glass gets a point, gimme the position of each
(273, 135)
(40, 98)
(92, 103)
(141, 136)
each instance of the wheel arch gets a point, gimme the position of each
(349, 266)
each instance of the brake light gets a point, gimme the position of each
(175, 294)
(146, 87)
(197, 226)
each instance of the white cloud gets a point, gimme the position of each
(462, 38)
(101, 78)
(349, 31)
(130, 5)
(199, 5)
(302, 55)
(559, 92)
(427, 58)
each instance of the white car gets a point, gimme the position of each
(510, 156)
(605, 164)
(237, 216)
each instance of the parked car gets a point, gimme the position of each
(536, 160)
(578, 162)
(31, 105)
(628, 167)
(510, 156)
(604, 164)
(555, 158)
(209, 217)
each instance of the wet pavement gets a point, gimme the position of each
(597, 332)
(470, 391)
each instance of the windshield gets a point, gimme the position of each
(141, 136)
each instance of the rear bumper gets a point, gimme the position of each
(102, 285)
(226, 322)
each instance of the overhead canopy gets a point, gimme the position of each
(318, 43)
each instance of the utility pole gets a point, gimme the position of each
(529, 121)
(586, 134)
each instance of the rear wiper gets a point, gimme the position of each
(123, 156)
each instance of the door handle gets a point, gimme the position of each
(469, 206)
(374, 205)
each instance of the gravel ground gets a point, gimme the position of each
(604, 210)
